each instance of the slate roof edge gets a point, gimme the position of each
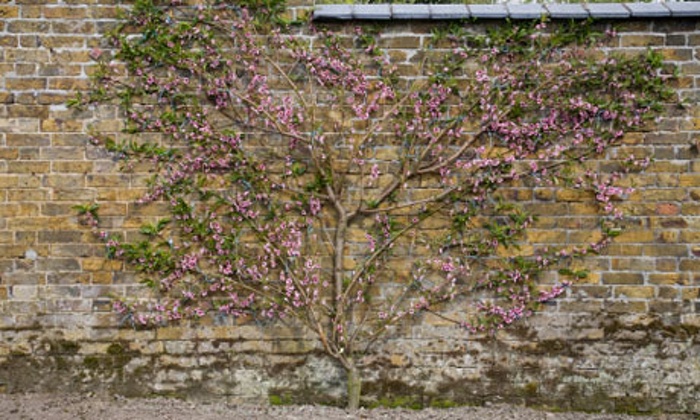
(616, 11)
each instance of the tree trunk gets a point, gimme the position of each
(354, 388)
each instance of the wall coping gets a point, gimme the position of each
(335, 12)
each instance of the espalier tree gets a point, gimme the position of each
(302, 170)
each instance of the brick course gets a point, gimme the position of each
(626, 337)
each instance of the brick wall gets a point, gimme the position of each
(624, 339)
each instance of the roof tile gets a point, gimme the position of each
(607, 10)
(488, 11)
(567, 11)
(410, 11)
(526, 11)
(372, 11)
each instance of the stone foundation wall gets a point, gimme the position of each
(625, 339)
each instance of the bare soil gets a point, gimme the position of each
(74, 407)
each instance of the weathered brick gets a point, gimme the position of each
(19, 125)
(71, 166)
(58, 264)
(31, 12)
(647, 40)
(65, 12)
(73, 27)
(63, 181)
(589, 306)
(625, 307)
(677, 54)
(664, 306)
(690, 293)
(74, 140)
(24, 195)
(74, 194)
(28, 41)
(19, 167)
(71, 56)
(39, 223)
(623, 278)
(650, 267)
(107, 180)
(52, 98)
(100, 264)
(61, 153)
(27, 139)
(73, 84)
(634, 292)
(104, 12)
(9, 11)
(9, 41)
(635, 236)
(55, 41)
(18, 209)
(57, 125)
(669, 236)
(635, 264)
(25, 83)
(690, 265)
(666, 264)
(662, 250)
(9, 153)
(29, 181)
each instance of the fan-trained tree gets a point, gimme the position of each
(310, 177)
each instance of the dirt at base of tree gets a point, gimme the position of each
(74, 407)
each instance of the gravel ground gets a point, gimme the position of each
(74, 407)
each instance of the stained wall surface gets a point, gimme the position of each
(624, 339)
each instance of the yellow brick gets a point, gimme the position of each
(25, 83)
(63, 42)
(64, 181)
(635, 236)
(8, 12)
(101, 278)
(623, 278)
(691, 293)
(151, 209)
(71, 167)
(636, 264)
(689, 180)
(104, 12)
(547, 236)
(28, 195)
(108, 180)
(582, 209)
(669, 278)
(99, 264)
(584, 236)
(626, 307)
(677, 54)
(633, 138)
(68, 83)
(669, 236)
(634, 292)
(54, 125)
(40, 223)
(18, 210)
(628, 40)
(28, 167)
(666, 292)
(63, 12)
(31, 11)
